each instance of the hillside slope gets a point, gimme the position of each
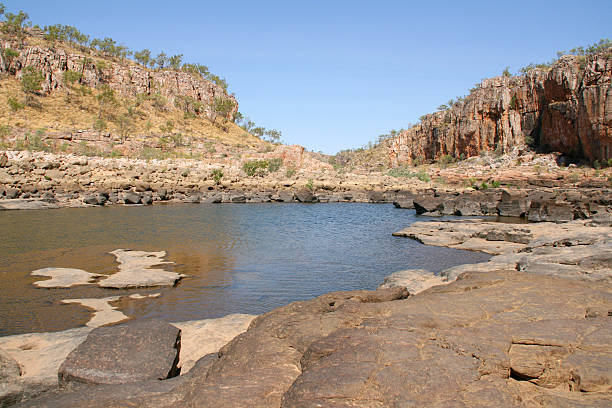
(89, 102)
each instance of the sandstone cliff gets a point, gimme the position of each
(565, 108)
(125, 77)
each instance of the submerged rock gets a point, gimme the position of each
(104, 313)
(64, 277)
(135, 270)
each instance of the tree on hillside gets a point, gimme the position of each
(258, 131)
(8, 56)
(238, 117)
(15, 24)
(59, 32)
(221, 106)
(161, 60)
(30, 80)
(274, 135)
(143, 57)
(175, 61)
(106, 99)
(109, 47)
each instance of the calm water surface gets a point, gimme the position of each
(240, 258)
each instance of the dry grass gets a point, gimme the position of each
(71, 110)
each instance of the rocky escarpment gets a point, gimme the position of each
(565, 108)
(124, 77)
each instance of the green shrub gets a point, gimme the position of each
(495, 184)
(310, 185)
(274, 164)
(217, 175)
(290, 172)
(260, 167)
(403, 172)
(514, 102)
(149, 153)
(445, 160)
(14, 104)
(423, 176)
(484, 186)
(34, 143)
(31, 79)
(71, 77)
(596, 165)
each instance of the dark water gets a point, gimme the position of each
(240, 258)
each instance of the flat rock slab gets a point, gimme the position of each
(64, 277)
(135, 271)
(26, 204)
(202, 337)
(126, 353)
(501, 338)
(39, 355)
(415, 280)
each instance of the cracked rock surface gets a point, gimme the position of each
(503, 338)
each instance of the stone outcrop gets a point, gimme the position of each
(503, 338)
(131, 352)
(124, 77)
(567, 108)
(29, 363)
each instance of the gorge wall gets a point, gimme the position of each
(565, 108)
(125, 77)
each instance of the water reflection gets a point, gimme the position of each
(239, 258)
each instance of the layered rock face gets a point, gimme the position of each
(124, 77)
(567, 108)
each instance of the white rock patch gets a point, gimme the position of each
(64, 277)
(135, 270)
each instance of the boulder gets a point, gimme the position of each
(375, 197)
(130, 197)
(213, 199)
(91, 199)
(147, 198)
(467, 206)
(125, 353)
(305, 196)
(488, 208)
(550, 211)
(12, 192)
(238, 198)
(428, 204)
(4, 162)
(404, 203)
(512, 208)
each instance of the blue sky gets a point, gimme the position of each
(331, 74)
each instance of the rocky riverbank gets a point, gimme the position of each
(37, 180)
(529, 328)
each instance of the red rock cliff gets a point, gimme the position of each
(567, 108)
(124, 77)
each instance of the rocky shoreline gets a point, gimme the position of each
(45, 181)
(529, 328)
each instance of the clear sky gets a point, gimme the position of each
(332, 74)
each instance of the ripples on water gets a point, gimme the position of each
(240, 258)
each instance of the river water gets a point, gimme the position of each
(240, 258)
